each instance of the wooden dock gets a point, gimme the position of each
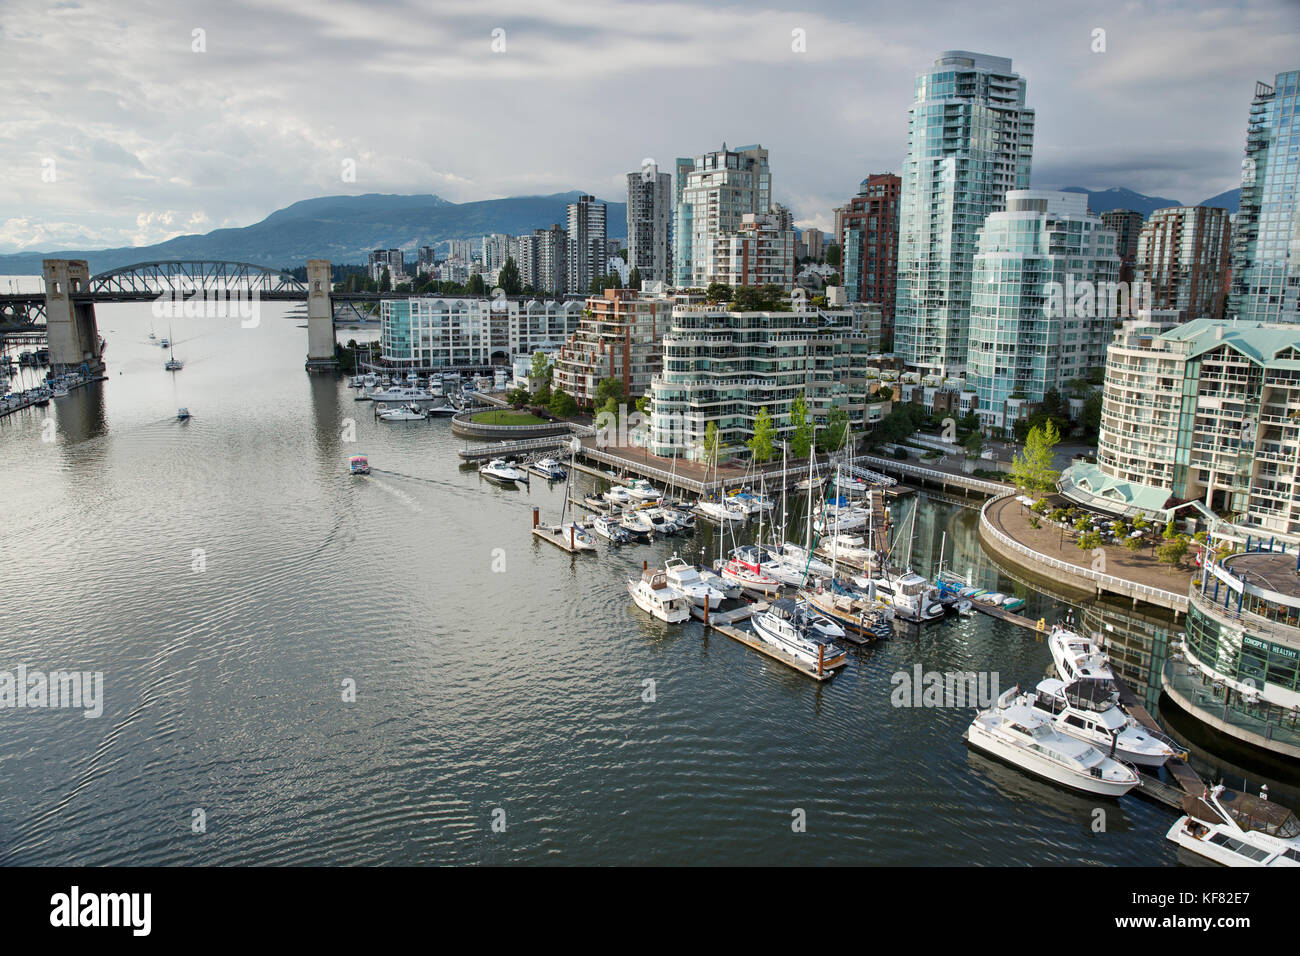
(561, 538)
(1187, 778)
(1002, 614)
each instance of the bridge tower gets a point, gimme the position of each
(320, 318)
(70, 325)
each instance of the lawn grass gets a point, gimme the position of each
(505, 416)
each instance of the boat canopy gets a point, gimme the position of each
(1091, 693)
(1248, 811)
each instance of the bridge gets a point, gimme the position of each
(65, 311)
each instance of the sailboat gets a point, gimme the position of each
(173, 364)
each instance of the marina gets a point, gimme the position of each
(336, 572)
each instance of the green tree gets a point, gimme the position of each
(1134, 544)
(610, 388)
(543, 394)
(711, 443)
(884, 393)
(386, 281)
(476, 285)
(718, 292)
(1169, 533)
(801, 428)
(634, 278)
(541, 367)
(517, 397)
(833, 255)
(508, 278)
(974, 444)
(760, 445)
(562, 404)
(1172, 551)
(1032, 468)
(837, 427)
(1088, 541)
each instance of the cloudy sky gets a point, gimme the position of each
(128, 122)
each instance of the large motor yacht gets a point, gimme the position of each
(653, 594)
(788, 626)
(1014, 733)
(1078, 657)
(1089, 711)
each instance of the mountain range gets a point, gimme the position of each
(344, 229)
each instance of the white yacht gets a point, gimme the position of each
(548, 468)
(1089, 711)
(503, 473)
(652, 594)
(637, 524)
(686, 579)
(850, 548)
(837, 519)
(642, 490)
(788, 626)
(399, 393)
(795, 556)
(716, 581)
(1014, 733)
(618, 495)
(911, 596)
(1237, 829)
(722, 511)
(1078, 657)
(402, 413)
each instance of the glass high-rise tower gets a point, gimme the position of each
(1266, 235)
(970, 139)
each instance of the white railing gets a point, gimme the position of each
(1109, 582)
(976, 484)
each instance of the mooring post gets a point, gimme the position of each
(534, 516)
(706, 610)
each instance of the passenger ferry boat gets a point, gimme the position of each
(788, 626)
(1237, 829)
(1078, 657)
(1089, 710)
(652, 594)
(1014, 733)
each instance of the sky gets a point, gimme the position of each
(127, 123)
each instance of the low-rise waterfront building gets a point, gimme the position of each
(427, 332)
(1241, 673)
(1203, 416)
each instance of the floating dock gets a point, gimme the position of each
(1002, 614)
(1187, 778)
(721, 621)
(562, 539)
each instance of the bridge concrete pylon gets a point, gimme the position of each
(71, 331)
(320, 318)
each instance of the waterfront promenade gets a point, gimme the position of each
(1005, 530)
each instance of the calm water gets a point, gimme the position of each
(520, 690)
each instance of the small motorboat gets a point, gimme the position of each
(504, 474)
(359, 465)
(402, 413)
(1237, 829)
(182, 414)
(745, 568)
(548, 468)
(642, 490)
(608, 527)
(788, 626)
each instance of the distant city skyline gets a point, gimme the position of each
(128, 128)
